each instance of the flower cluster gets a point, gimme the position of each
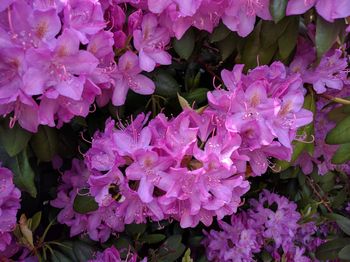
(330, 73)
(98, 224)
(192, 167)
(59, 58)
(9, 205)
(66, 54)
(271, 224)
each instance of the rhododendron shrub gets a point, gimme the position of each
(174, 130)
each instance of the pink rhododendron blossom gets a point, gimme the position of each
(128, 77)
(328, 9)
(9, 205)
(151, 41)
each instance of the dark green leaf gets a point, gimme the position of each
(340, 134)
(58, 256)
(278, 9)
(82, 251)
(271, 32)
(219, 33)
(184, 47)
(23, 172)
(15, 139)
(166, 85)
(254, 52)
(228, 45)
(288, 40)
(330, 249)
(326, 34)
(342, 154)
(153, 238)
(84, 204)
(171, 250)
(135, 229)
(344, 253)
(343, 222)
(45, 143)
(199, 95)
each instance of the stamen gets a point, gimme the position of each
(82, 137)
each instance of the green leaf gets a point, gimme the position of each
(340, 134)
(288, 40)
(58, 256)
(187, 256)
(15, 139)
(183, 102)
(35, 221)
(82, 251)
(184, 47)
(330, 249)
(166, 85)
(199, 95)
(278, 9)
(344, 253)
(219, 33)
(153, 238)
(171, 250)
(84, 204)
(23, 172)
(343, 222)
(271, 32)
(326, 34)
(342, 154)
(45, 143)
(135, 229)
(254, 52)
(228, 45)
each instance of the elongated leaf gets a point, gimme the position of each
(326, 34)
(342, 154)
(288, 40)
(184, 47)
(340, 134)
(330, 249)
(278, 9)
(343, 222)
(187, 256)
(199, 95)
(23, 172)
(344, 253)
(45, 143)
(219, 33)
(228, 45)
(166, 85)
(153, 238)
(15, 139)
(82, 251)
(84, 204)
(171, 250)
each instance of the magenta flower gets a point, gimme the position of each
(84, 18)
(9, 205)
(241, 14)
(328, 9)
(151, 41)
(147, 168)
(128, 76)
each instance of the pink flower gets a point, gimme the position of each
(151, 41)
(241, 14)
(9, 205)
(84, 18)
(128, 76)
(328, 9)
